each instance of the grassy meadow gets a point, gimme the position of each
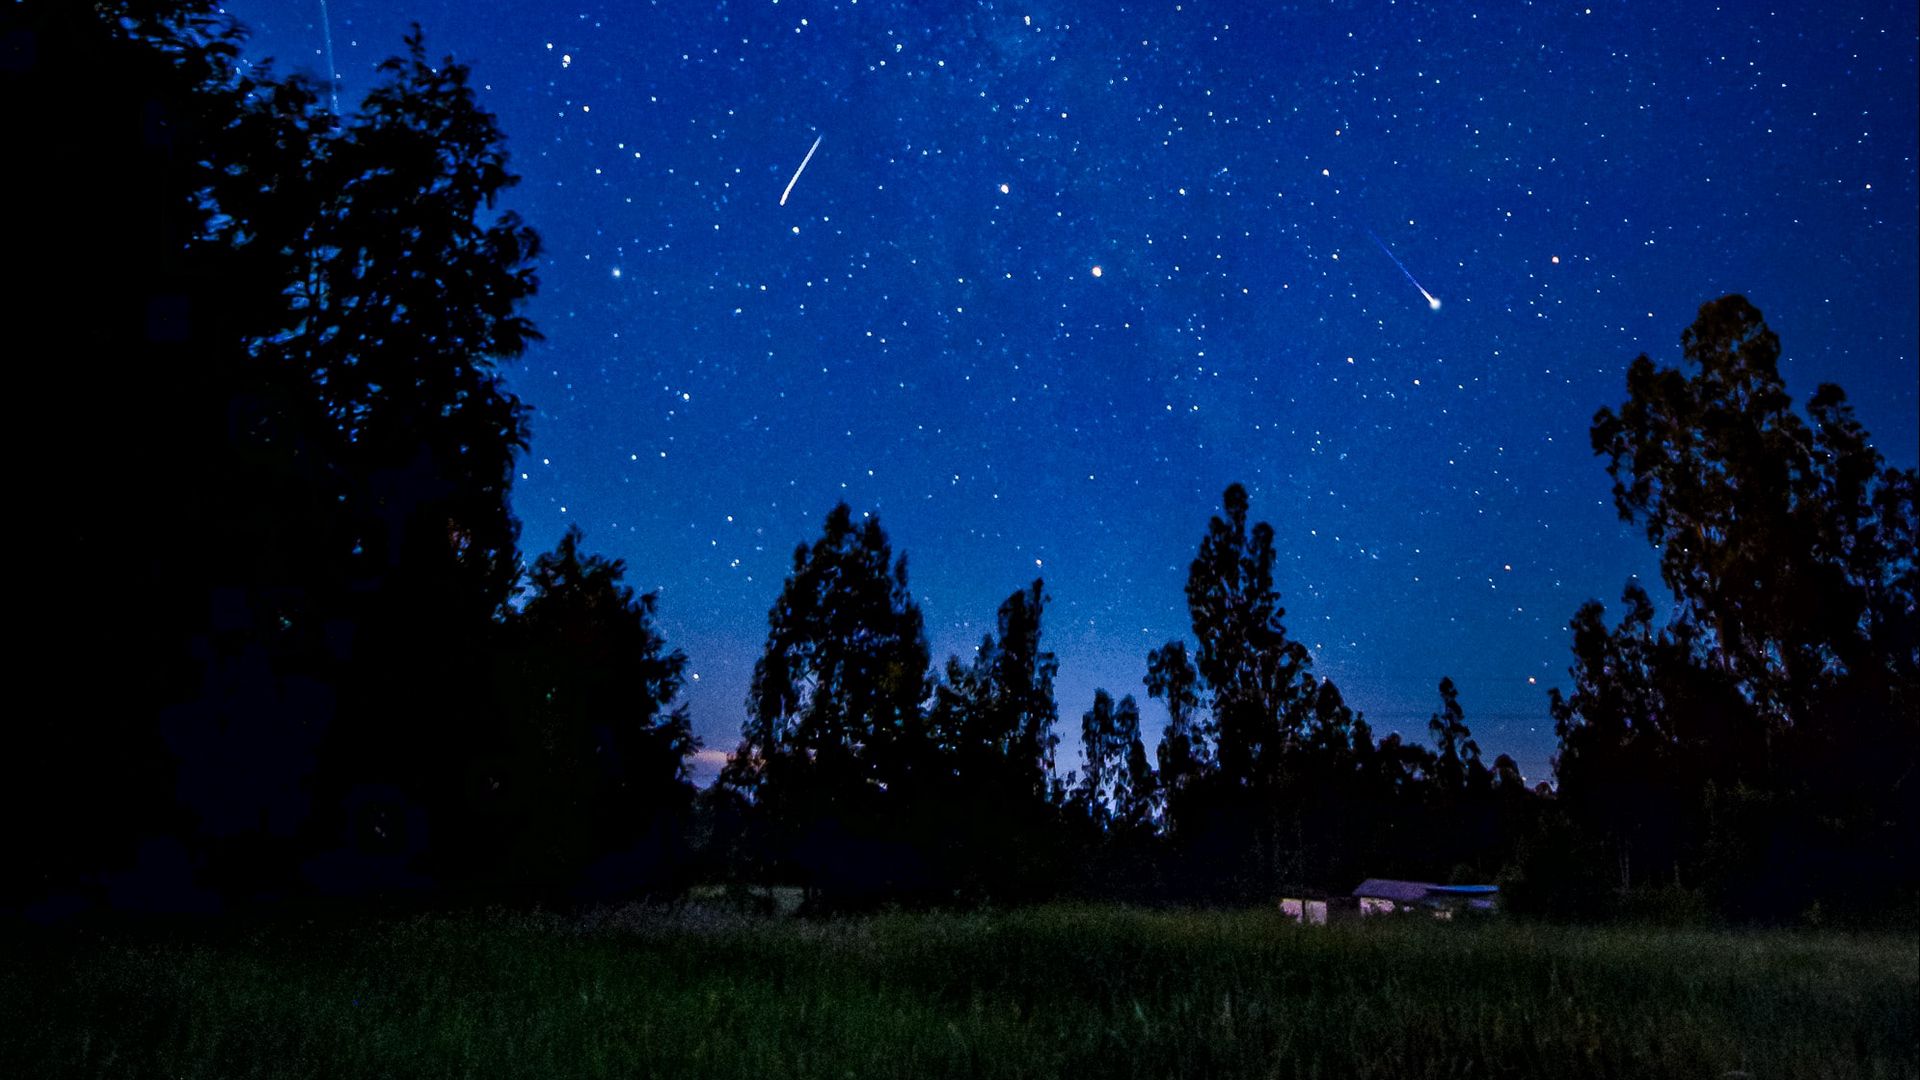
(1067, 992)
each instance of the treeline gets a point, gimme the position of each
(286, 644)
(864, 776)
(1749, 756)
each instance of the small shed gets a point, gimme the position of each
(1311, 907)
(1301, 910)
(1384, 896)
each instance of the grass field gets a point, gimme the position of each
(1068, 992)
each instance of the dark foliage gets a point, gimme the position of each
(585, 791)
(994, 795)
(836, 739)
(280, 666)
(1759, 746)
(1267, 778)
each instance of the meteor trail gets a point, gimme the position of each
(801, 169)
(333, 82)
(1432, 300)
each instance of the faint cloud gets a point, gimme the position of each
(706, 765)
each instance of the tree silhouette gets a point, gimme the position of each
(301, 347)
(1255, 676)
(1457, 754)
(130, 104)
(589, 774)
(1330, 816)
(402, 305)
(999, 714)
(1630, 761)
(1787, 545)
(1466, 836)
(985, 802)
(1109, 736)
(1224, 782)
(1135, 810)
(1267, 777)
(835, 733)
(1185, 751)
(1762, 741)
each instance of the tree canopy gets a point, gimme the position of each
(298, 549)
(1762, 739)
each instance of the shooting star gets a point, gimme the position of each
(801, 169)
(1432, 300)
(333, 72)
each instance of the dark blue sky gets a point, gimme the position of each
(1057, 274)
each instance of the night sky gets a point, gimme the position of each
(1057, 274)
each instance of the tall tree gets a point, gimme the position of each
(1224, 781)
(306, 544)
(986, 817)
(1788, 545)
(1255, 675)
(1185, 750)
(1332, 818)
(835, 732)
(590, 770)
(1114, 785)
(1001, 712)
(1137, 809)
(1457, 754)
(1777, 706)
(403, 306)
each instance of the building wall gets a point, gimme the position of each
(1310, 912)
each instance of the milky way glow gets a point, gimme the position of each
(926, 338)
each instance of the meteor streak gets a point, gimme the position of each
(801, 169)
(333, 82)
(1432, 300)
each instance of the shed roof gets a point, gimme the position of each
(1388, 889)
(1408, 892)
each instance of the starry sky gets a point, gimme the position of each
(1056, 274)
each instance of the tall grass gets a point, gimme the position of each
(1070, 992)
